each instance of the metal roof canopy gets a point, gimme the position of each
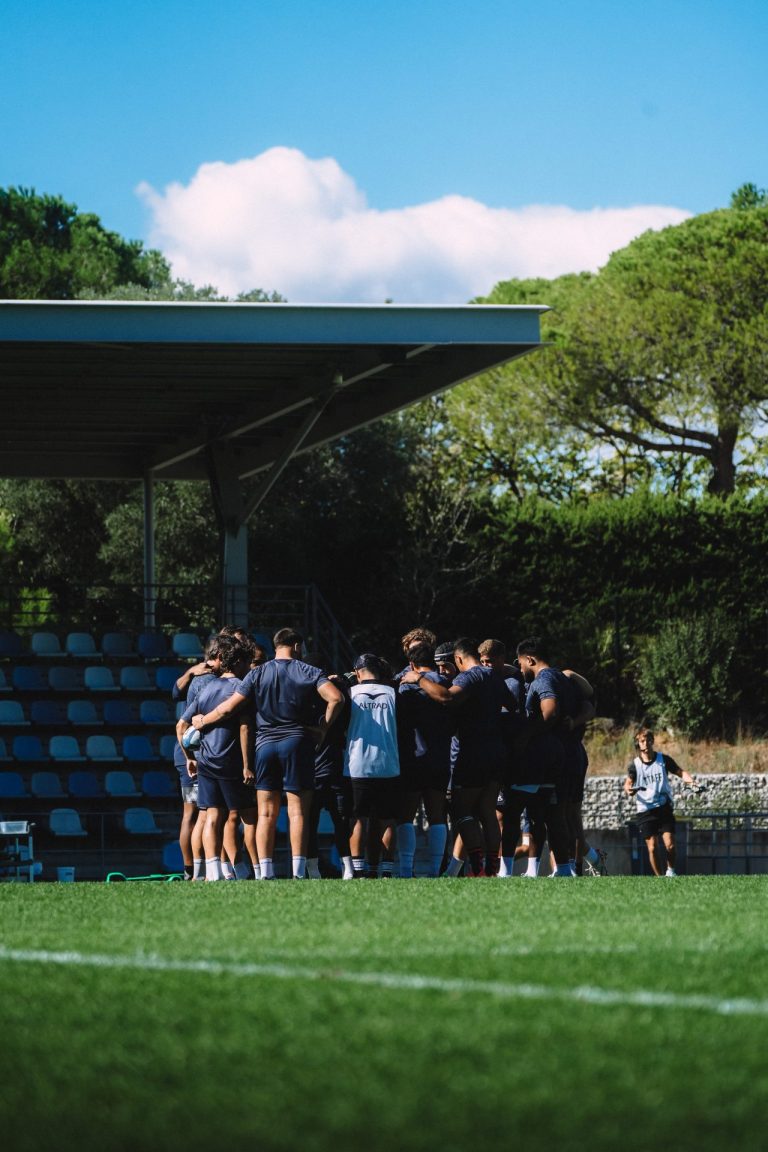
(119, 390)
(223, 392)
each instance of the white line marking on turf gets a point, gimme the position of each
(400, 981)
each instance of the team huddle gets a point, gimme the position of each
(488, 753)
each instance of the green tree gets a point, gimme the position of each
(50, 251)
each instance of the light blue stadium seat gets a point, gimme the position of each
(119, 783)
(156, 712)
(166, 676)
(66, 822)
(12, 713)
(47, 786)
(102, 747)
(81, 646)
(187, 645)
(100, 679)
(46, 645)
(65, 748)
(83, 713)
(140, 822)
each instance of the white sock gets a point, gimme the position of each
(213, 869)
(313, 868)
(533, 866)
(198, 867)
(406, 849)
(227, 870)
(671, 872)
(437, 834)
(267, 871)
(358, 865)
(257, 871)
(348, 872)
(299, 867)
(454, 867)
(506, 866)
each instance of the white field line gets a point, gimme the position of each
(398, 981)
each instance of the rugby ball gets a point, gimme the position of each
(191, 739)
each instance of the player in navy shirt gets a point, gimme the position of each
(282, 694)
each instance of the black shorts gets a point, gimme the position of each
(376, 797)
(656, 820)
(425, 774)
(334, 794)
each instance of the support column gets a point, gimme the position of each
(228, 506)
(150, 586)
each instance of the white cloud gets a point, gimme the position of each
(302, 227)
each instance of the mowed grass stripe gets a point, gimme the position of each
(399, 981)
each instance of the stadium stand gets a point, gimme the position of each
(4, 685)
(156, 712)
(82, 713)
(12, 786)
(47, 786)
(173, 861)
(152, 646)
(29, 678)
(46, 645)
(136, 678)
(139, 750)
(120, 713)
(167, 746)
(158, 784)
(11, 646)
(103, 748)
(120, 784)
(65, 749)
(66, 822)
(166, 676)
(140, 822)
(187, 645)
(12, 713)
(29, 749)
(4, 757)
(84, 785)
(117, 646)
(81, 646)
(65, 679)
(48, 713)
(100, 679)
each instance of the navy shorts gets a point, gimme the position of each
(224, 792)
(286, 765)
(376, 797)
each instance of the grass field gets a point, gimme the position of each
(620, 1013)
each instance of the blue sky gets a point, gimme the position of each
(471, 120)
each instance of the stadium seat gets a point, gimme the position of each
(47, 786)
(65, 679)
(120, 784)
(187, 645)
(48, 713)
(28, 678)
(84, 785)
(168, 744)
(152, 646)
(66, 822)
(100, 679)
(65, 748)
(117, 645)
(12, 713)
(173, 861)
(264, 642)
(156, 712)
(325, 823)
(4, 757)
(167, 675)
(83, 713)
(29, 749)
(160, 784)
(140, 822)
(102, 748)
(12, 645)
(81, 646)
(120, 712)
(12, 786)
(46, 644)
(136, 678)
(181, 707)
(4, 685)
(139, 750)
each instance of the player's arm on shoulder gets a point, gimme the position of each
(225, 708)
(334, 704)
(432, 688)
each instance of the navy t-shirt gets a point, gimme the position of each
(220, 752)
(427, 725)
(193, 691)
(551, 684)
(283, 694)
(478, 715)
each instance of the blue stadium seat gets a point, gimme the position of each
(84, 785)
(173, 861)
(121, 712)
(47, 786)
(100, 679)
(160, 784)
(187, 645)
(28, 678)
(65, 748)
(46, 645)
(166, 676)
(100, 747)
(29, 749)
(120, 784)
(156, 712)
(12, 786)
(81, 646)
(12, 713)
(65, 679)
(168, 744)
(139, 749)
(83, 713)
(152, 646)
(48, 713)
(4, 757)
(4, 685)
(136, 678)
(140, 822)
(66, 822)
(117, 646)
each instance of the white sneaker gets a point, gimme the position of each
(671, 872)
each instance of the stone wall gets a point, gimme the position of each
(607, 808)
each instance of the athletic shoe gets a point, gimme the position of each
(671, 872)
